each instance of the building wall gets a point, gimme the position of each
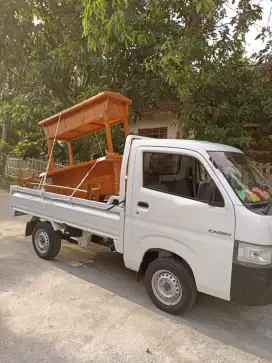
(153, 120)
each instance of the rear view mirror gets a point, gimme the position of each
(206, 192)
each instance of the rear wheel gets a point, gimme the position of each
(170, 285)
(46, 242)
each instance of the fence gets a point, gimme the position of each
(27, 167)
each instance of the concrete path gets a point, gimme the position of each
(86, 307)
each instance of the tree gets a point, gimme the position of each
(183, 51)
(189, 46)
(232, 100)
(45, 66)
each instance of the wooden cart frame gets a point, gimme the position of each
(97, 113)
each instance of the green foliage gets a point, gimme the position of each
(4, 151)
(234, 98)
(45, 67)
(193, 50)
(54, 54)
(180, 41)
(5, 148)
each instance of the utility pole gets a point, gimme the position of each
(4, 136)
(4, 132)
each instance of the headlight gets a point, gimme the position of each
(253, 254)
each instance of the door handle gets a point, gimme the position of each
(143, 205)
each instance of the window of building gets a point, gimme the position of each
(177, 174)
(157, 133)
(164, 164)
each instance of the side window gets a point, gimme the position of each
(177, 174)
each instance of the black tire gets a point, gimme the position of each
(180, 277)
(52, 241)
(57, 243)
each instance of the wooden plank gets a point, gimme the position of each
(70, 153)
(108, 135)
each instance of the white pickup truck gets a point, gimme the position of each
(191, 217)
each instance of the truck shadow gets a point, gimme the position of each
(246, 328)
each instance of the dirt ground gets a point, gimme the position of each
(86, 307)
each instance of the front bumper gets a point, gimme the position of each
(251, 285)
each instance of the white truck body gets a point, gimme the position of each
(203, 235)
(86, 215)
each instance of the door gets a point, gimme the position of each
(166, 211)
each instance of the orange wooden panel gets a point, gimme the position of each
(70, 153)
(90, 112)
(103, 180)
(117, 110)
(97, 113)
(107, 172)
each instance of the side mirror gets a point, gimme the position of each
(206, 192)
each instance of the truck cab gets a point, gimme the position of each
(206, 207)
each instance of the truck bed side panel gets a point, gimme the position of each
(87, 215)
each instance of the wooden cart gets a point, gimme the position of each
(95, 114)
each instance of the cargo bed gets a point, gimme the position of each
(95, 217)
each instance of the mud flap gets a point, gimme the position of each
(31, 225)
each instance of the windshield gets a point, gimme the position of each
(250, 186)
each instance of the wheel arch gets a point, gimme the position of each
(30, 226)
(154, 253)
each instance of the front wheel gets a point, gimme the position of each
(170, 285)
(46, 242)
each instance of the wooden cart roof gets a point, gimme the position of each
(87, 117)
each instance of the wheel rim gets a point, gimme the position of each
(42, 241)
(166, 287)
